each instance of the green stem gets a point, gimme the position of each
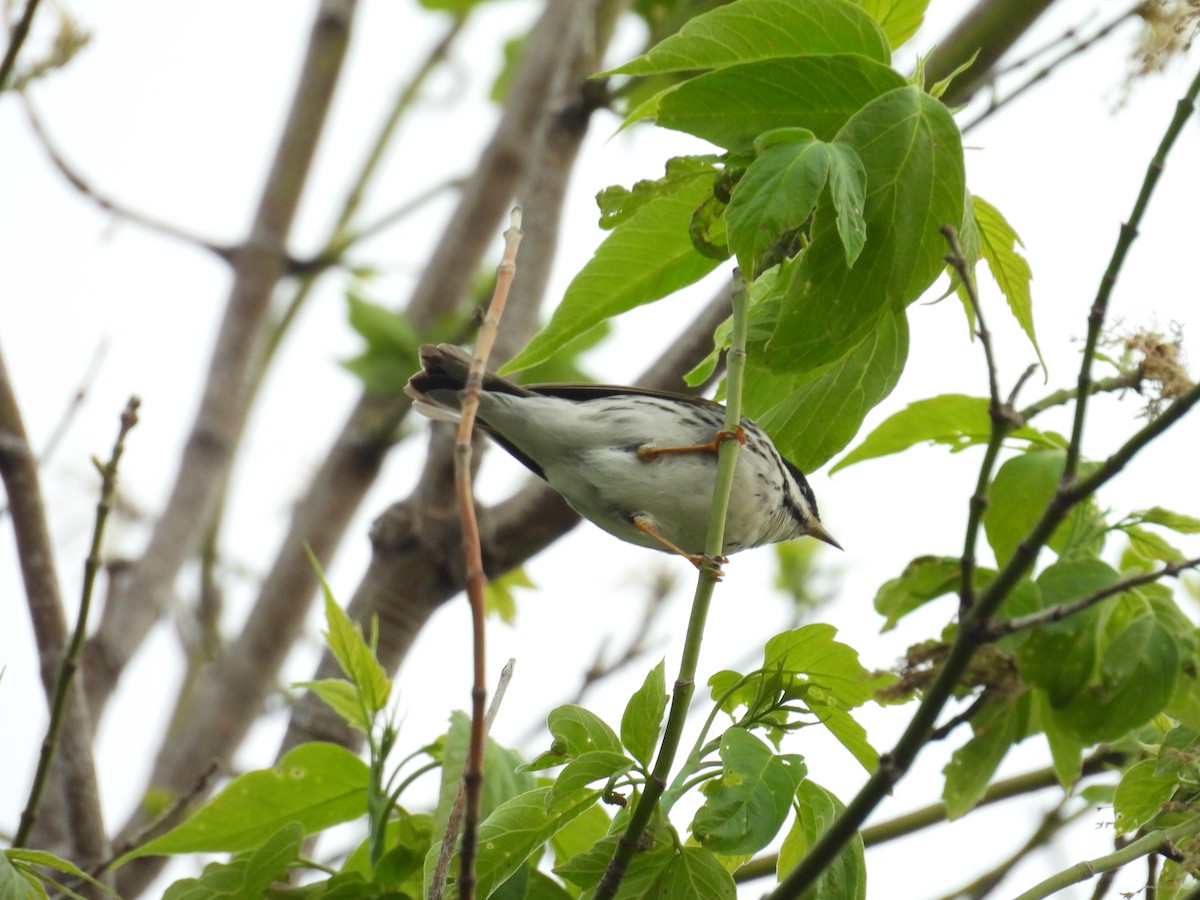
(1143, 846)
(70, 660)
(685, 684)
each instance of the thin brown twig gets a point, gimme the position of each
(74, 404)
(106, 203)
(1048, 69)
(437, 884)
(17, 40)
(476, 581)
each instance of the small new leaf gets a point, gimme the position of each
(643, 716)
(346, 643)
(998, 242)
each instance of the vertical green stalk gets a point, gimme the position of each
(70, 660)
(710, 570)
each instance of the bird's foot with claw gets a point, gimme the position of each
(649, 451)
(703, 561)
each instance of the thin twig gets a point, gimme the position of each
(1043, 73)
(19, 34)
(1052, 823)
(437, 884)
(77, 181)
(1129, 231)
(1061, 611)
(70, 659)
(476, 581)
(168, 816)
(1122, 382)
(84, 821)
(1002, 419)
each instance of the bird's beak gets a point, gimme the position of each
(817, 530)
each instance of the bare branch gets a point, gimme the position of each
(144, 593)
(106, 203)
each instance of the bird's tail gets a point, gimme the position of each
(436, 389)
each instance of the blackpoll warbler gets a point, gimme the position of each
(640, 464)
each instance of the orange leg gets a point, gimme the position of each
(644, 525)
(650, 452)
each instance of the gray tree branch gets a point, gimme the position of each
(74, 816)
(137, 601)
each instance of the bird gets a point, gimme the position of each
(638, 463)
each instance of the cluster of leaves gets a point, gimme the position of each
(835, 175)
(750, 788)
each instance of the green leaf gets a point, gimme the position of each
(392, 342)
(346, 643)
(581, 731)
(316, 785)
(911, 150)
(1060, 658)
(810, 650)
(848, 189)
(407, 839)
(1178, 522)
(1139, 668)
(342, 696)
(1179, 752)
(760, 29)
(644, 259)
(812, 419)
(582, 771)
(18, 882)
(925, 578)
(1153, 546)
(732, 106)
(580, 834)
(617, 204)
(695, 872)
(515, 831)
(846, 877)
(1141, 795)
(643, 716)
(900, 19)
(499, 594)
(24, 858)
(640, 881)
(777, 194)
(746, 806)
(998, 243)
(955, 420)
(501, 779)
(996, 728)
(1066, 752)
(248, 874)
(1018, 497)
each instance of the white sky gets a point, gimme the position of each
(174, 110)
